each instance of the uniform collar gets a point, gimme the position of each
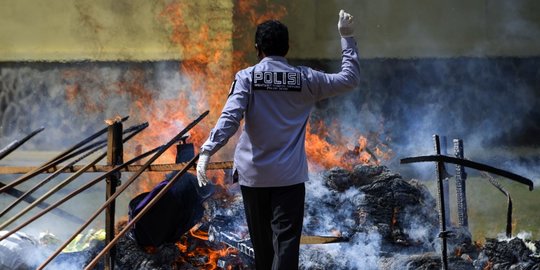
(274, 58)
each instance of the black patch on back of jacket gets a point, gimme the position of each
(277, 81)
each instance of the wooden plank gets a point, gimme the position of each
(223, 165)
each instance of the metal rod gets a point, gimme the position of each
(115, 156)
(54, 161)
(59, 212)
(446, 180)
(42, 183)
(48, 194)
(134, 130)
(496, 184)
(461, 187)
(79, 190)
(222, 165)
(17, 143)
(470, 164)
(143, 211)
(124, 186)
(442, 211)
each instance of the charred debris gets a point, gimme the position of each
(362, 214)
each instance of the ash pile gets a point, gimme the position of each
(514, 253)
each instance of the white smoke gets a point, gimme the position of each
(328, 212)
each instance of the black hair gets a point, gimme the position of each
(272, 38)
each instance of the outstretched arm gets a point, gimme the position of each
(326, 85)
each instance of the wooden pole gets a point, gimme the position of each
(115, 157)
(167, 167)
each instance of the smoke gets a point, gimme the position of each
(362, 252)
(471, 79)
(328, 212)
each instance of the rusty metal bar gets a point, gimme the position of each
(29, 199)
(442, 211)
(446, 180)
(124, 186)
(470, 164)
(496, 184)
(143, 211)
(134, 130)
(42, 183)
(55, 160)
(222, 165)
(17, 143)
(79, 190)
(461, 187)
(40, 200)
(115, 156)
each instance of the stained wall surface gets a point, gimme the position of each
(128, 30)
(135, 30)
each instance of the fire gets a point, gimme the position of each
(212, 49)
(200, 254)
(210, 57)
(395, 216)
(328, 147)
(203, 235)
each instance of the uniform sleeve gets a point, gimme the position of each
(232, 114)
(324, 85)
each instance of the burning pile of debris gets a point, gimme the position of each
(367, 217)
(514, 253)
(377, 210)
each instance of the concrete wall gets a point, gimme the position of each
(418, 28)
(136, 29)
(131, 30)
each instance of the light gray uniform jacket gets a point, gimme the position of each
(275, 99)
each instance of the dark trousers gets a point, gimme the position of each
(274, 217)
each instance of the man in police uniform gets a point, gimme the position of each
(275, 99)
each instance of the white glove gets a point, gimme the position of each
(202, 164)
(345, 24)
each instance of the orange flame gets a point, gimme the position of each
(210, 255)
(210, 56)
(198, 234)
(328, 147)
